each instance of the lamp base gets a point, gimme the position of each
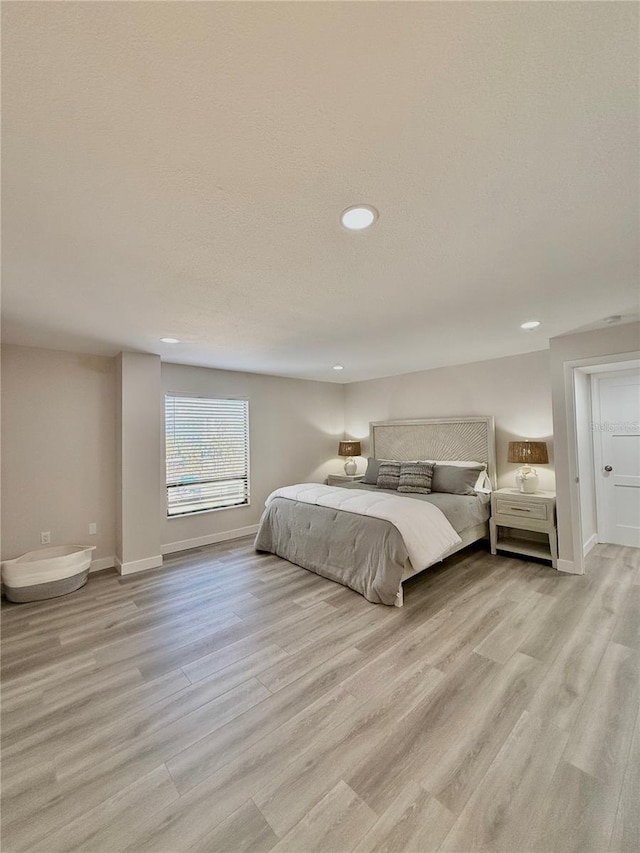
(350, 467)
(527, 480)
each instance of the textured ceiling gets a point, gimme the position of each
(179, 169)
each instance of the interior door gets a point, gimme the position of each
(618, 468)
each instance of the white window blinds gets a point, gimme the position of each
(207, 451)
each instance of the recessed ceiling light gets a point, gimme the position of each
(170, 340)
(614, 318)
(338, 367)
(359, 217)
(530, 324)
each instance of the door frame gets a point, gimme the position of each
(617, 362)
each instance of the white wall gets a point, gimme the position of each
(515, 390)
(58, 450)
(139, 462)
(59, 413)
(72, 425)
(118, 460)
(295, 426)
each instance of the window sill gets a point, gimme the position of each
(207, 511)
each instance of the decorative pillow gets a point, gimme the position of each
(416, 477)
(388, 475)
(459, 463)
(373, 469)
(456, 479)
(483, 483)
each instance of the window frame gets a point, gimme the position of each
(166, 486)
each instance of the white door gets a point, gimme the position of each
(618, 459)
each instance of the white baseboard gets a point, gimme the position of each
(102, 563)
(172, 548)
(210, 539)
(568, 566)
(138, 565)
(588, 545)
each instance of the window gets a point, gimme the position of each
(207, 449)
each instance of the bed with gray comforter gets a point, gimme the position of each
(364, 553)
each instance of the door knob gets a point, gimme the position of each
(608, 468)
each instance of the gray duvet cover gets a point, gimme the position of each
(366, 554)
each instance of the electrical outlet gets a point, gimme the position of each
(93, 529)
(45, 537)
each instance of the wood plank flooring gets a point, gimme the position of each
(234, 702)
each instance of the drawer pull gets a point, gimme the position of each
(519, 509)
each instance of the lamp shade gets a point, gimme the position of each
(528, 452)
(349, 448)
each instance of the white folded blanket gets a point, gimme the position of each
(424, 528)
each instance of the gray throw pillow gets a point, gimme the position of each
(415, 477)
(373, 469)
(388, 475)
(455, 479)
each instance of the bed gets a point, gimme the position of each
(373, 540)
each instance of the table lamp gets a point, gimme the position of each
(350, 449)
(528, 453)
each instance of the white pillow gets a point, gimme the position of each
(483, 483)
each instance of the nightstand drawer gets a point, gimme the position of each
(521, 509)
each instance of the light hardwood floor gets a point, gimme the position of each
(234, 702)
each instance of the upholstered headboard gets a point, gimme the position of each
(436, 438)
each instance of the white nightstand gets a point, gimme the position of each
(519, 511)
(339, 479)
